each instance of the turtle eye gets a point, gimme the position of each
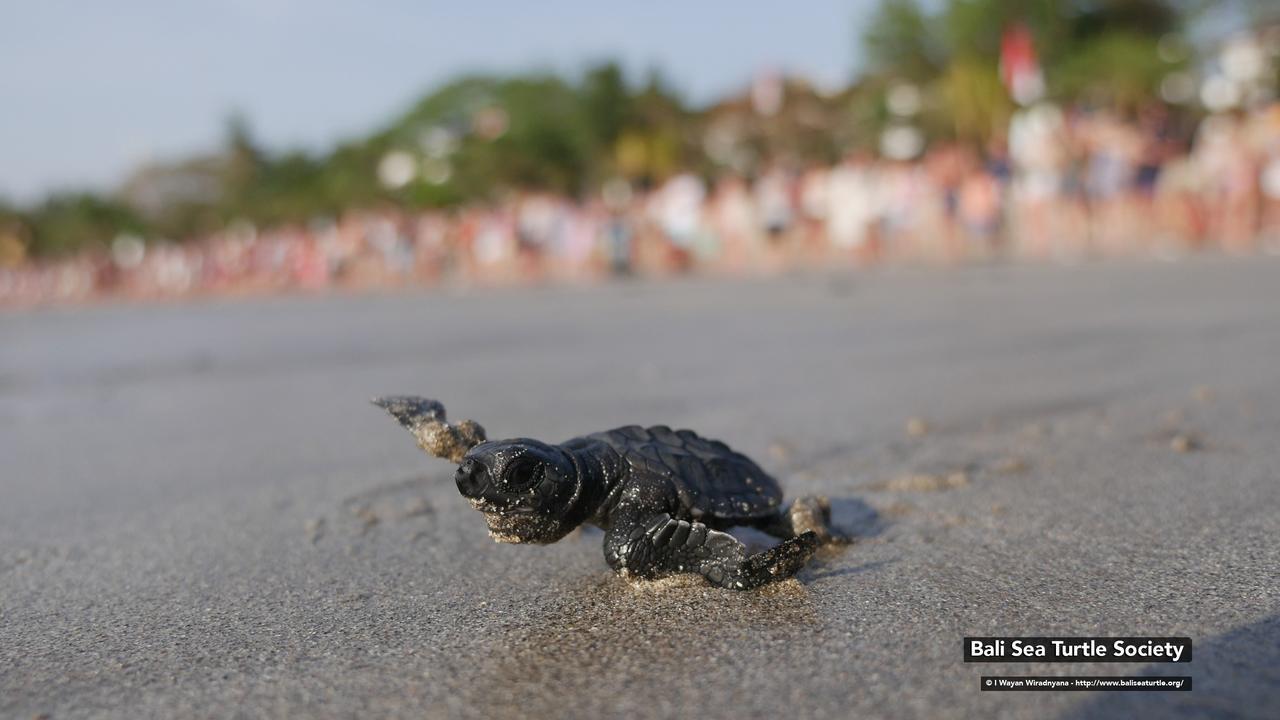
(523, 474)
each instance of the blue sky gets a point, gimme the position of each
(89, 90)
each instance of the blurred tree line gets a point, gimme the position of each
(479, 138)
(1103, 53)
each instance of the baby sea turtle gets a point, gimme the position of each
(663, 497)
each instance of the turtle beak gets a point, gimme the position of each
(472, 478)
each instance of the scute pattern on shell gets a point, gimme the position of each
(710, 478)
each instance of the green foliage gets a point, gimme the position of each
(64, 223)
(904, 41)
(606, 104)
(976, 103)
(1115, 69)
(544, 134)
(546, 143)
(13, 245)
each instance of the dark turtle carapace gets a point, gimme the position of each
(663, 497)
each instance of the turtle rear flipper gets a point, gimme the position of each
(811, 513)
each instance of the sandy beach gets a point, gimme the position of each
(202, 516)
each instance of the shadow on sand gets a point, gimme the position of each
(1235, 675)
(855, 518)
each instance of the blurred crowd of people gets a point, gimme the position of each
(1060, 185)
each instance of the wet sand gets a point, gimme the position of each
(201, 515)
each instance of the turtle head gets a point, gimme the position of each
(527, 490)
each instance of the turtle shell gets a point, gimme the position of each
(710, 478)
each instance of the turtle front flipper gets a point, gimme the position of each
(661, 545)
(425, 420)
(811, 513)
(778, 562)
